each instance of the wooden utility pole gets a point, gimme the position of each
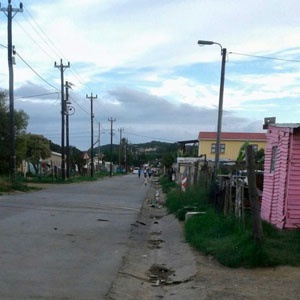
(120, 145)
(92, 132)
(10, 12)
(99, 144)
(257, 230)
(62, 68)
(69, 111)
(111, 120)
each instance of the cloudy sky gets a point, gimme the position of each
(141, 59)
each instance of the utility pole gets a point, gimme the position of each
(10, 12)
(62, 68)
(99, 152)
(111, 120)
(125, 155)
(92, 132)
(69, 111)
(121, 130)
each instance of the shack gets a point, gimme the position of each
(281, 193)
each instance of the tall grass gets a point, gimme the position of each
(227, 238)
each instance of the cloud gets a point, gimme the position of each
(142, 60)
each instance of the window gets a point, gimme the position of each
(255, 147)
(273, 159)
(222, 148)
(213, 148)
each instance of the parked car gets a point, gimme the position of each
(135, 170)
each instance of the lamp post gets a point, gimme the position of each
(220, 109)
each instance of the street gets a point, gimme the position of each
(67, 241)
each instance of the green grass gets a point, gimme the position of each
(227, 238)
(23, 184)
(166, 184)
(6, 185)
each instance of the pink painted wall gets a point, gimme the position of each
(281, 194)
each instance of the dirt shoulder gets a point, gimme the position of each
(161, 265)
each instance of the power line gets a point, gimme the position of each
(83, 109)
(35, 72)
(41, 34)
(36, 96)
(35, 42)
(265, 57)
(48, 42)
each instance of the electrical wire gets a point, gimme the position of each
(47, 41)
(83, 109)
(265, 57)
(35, 72)
(40, 33)
(36, 96)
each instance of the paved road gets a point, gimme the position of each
(67, 241)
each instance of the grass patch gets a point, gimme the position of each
(23, 184)
(228, 239)
(166, 184)
(6, 185)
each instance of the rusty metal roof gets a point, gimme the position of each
(238, 136)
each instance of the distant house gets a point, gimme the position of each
(281, 193)
(46, 166)
(51, 163)
(230, 143)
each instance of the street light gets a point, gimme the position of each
(220, 109)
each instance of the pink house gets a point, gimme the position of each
(281, 193)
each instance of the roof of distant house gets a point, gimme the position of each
(237, 136)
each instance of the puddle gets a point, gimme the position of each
(159, 274)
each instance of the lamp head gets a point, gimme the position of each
(201, 42)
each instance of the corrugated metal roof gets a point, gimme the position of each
(245, 136)
(287, 125)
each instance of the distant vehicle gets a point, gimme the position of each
(135, 170)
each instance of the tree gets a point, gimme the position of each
(21, 122)
(37, 148)
(167, 160)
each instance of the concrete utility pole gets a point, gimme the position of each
(220, 109)
(62, 68)
(220, 112)
(111, 120)
(10, 12)
(92, 132)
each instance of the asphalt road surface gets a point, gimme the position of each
(67, 241)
